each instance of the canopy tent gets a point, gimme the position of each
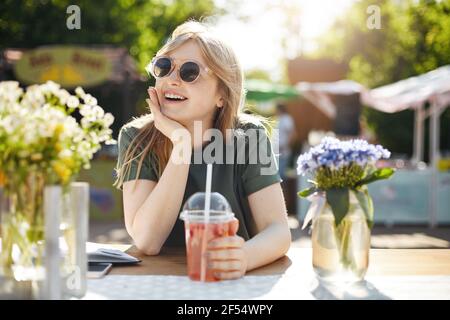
(409, 93)
(260, 90)
(413, 93)
(318, 93)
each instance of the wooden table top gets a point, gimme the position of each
(382, 262)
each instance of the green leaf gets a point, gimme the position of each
(307, 192)
(338, 199)
(365, 201)
(379, 174)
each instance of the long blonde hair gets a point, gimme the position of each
(222, 61)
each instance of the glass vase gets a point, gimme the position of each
(22, 229)
(74, 234)
(43, 240)
(341, 253)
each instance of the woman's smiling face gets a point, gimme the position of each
(202, 96)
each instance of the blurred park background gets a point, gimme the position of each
(281, 44)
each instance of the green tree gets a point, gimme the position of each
(142, 26)
(414, 38)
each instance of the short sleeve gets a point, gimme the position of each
(260, 169)
(147, 172)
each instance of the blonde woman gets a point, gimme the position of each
(199, 84)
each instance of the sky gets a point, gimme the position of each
(257, 40)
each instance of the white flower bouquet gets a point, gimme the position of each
(41, 143)
(39, 134)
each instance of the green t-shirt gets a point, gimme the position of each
(252, 168)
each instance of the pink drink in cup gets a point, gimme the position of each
(221, 224)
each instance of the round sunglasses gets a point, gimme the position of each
(163, 66)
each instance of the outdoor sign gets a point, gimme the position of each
(69, 66)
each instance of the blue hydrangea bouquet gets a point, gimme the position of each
(338, 167)
(339, 172)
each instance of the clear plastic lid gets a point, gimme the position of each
(194, 207)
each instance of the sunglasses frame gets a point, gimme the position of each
(174, 65)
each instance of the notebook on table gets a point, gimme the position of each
(114, 256)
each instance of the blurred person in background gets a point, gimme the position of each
(286, 137)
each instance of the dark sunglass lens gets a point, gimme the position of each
(189, 71)
(162, 67)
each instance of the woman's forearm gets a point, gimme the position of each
(267, 246)
(156, 217)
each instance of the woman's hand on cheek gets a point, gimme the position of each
(172, 129)
(227, 257)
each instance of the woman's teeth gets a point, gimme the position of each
(174, 96)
